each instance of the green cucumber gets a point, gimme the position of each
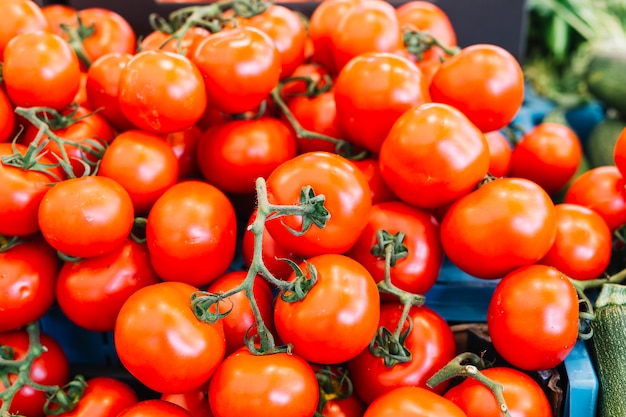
(609, 343)
(601, 141)
(605, 78)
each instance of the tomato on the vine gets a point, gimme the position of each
(154, 408)
(110, 32)
(20, 16)
(58, 14)
(166, 42)
(413, 402)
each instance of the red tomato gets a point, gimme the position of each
(232, 155)
(483, 81)
(619, 152)
(279, 384)
(350, 406)
(444, 161)
(50, 368)
(431, 343)
(8, 121)
(143, 163)
(161, 92)
(86, 216)
(91, 291)
(191, 233)
(59, 14)
(21, 192)
(20, 16)
(524, 397)
(164, 41)
(240, 67)
(160, 341)
(311, 70)
(533, 317)
(184, 144)
(367, 26)
(379, 189)
(504, 224)
(343, 302)
(603, 190)
(499, 153)
(549, 154)
(28, 272)
(413, 402)
(418, 271)
(583, 245)
(102, 88)
(154, 408)
(196, 402)
(104, 397)
(372, 91)
(40, 69)
(111, 33)
(241, 317)
(347, 195)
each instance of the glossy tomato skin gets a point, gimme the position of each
(91, 291)
(619, 152)
(184, 144)
(28, 272)
(379, 189)
(40, 69)
(57, 14)
(104, 396)
(524, 397)
(191, 233)
(483, 81)
(161, 342)
(233, 154)
(143, 163)
(412, 402)
(499, 153)
(240, 68)
(372, 91)
(347, 195)
(418, 271)
(86, 216)
(433, 155)
(154, 408)
(504, 224)
(21, 192)
(350, 406)
(196, 402)
(112, 32)
(431, 343)
(21, 16)
(50, 368)
(279, 384)
(8, 121)
(601, 189)
(533, 317)
(549, 155)
(344, 302)
(161, 40)
(161, 92)
(583, 245)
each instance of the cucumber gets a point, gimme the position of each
(609, 346)
(604, 78)
(601, 141)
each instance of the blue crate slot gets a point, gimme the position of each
(581, 396)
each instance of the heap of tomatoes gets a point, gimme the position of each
(341, 157)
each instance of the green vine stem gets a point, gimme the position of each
(334, 384)
(8, 242)
(419, 42)
(467, 364)
(311, 208)
(75, 37)
(59, 399)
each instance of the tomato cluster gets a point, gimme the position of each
(342, 160)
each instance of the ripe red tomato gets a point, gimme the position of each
(161, 92)
(444, 161)
(603, 190)
(533, 317)
(240, 67)
(233, 154)
(191, 233)
(196, 402)
(143, 163)
(549, 154)
(20, 16)
(344, 303)
(379, 189)
(431, 343)
(506, 223)
(111, 33)
(50, 368)
(350, 406)
(59, 14)
(499, 153)
(21, 192)
(619, 152)
(164, 41)
(184, 144)
(483, 81)
(347, 199)
(418, 271)
(372, 91)
(583, 245)
(413, 402)
(524, 397)
(28, 272)
(154, 408)
(40, 69)
(91, 291)
(279, 384)
(86, 216)
(160, 341)
(104, 396)
(8, 121)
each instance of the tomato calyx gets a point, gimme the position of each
(75, 37)
(468, 364)
(334, 384)
(30, 160)
(419, 42)
(390, 346)
(59, 399)
(8, 242)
